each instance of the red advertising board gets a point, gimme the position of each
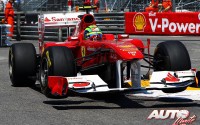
(185, 23)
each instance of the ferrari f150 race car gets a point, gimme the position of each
(97, 63)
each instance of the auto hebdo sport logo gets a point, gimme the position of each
(182, 116)
(139, 22)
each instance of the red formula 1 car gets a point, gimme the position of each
(92, 62)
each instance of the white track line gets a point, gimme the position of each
(188, 94)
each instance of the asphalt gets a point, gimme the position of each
(28, 106)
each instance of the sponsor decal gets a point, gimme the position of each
(132, 53)
(83, 52)
(47, 19)
(61, 19)
(182, 117)
(48, 59)
(91, 49)
(64, 19)
(128, 48)
(74, 78)
(139, 22)
(81, 84)
(173, 26)
(152, 14)
(171, 78)
(161, 23)
(125, 46)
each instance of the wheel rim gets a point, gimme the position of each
(11, 65)
(159, 62)
(10, 70)
(44, 73)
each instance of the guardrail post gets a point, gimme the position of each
(60, 34)
(18, 35)
(173, 6)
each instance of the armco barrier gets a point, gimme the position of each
(26, 26)
(4, 39)
(110, 22)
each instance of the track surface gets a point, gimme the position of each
(27, 106)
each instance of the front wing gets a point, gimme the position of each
(94, 84)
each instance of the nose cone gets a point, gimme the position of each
(129, 55)
(129, 51)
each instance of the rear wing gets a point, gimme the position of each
(57, 20)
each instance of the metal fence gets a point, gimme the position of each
(187, 5)
(113, 22)
(26, 26)
(139, 5)
(105, 5)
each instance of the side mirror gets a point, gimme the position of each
(123, 36)
(72, 38)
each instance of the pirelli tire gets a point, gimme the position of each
(22, 64)
(171, 56)
(56, 61)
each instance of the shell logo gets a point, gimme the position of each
(139, 22)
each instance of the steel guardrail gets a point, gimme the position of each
(26, 25)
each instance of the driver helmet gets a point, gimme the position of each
(92, 32)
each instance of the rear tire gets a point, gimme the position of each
(56, 61)
(22, 64)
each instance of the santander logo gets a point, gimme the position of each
(64, 19)
(60, 19)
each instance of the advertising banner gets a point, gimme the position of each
(171, 23)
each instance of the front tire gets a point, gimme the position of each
(171, 56)
(56, 61)
(22, 64)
